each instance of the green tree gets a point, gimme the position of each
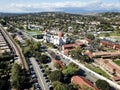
(36, 46)
(26, 51)
(56, 75)
(57, 85)
(107, 35)
(57, 65)
(71, 69)
(3, 84)
(90, 36)
(43, 58)
(17, 77)
(102, 84)
(76, 53)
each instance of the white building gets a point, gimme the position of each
(56, 39)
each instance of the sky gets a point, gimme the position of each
(71, 6)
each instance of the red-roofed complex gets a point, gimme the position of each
(109, 66)
(66, 48)
(111, 45)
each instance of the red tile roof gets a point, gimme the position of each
(82, 81)
(59, 62)
(112, 45)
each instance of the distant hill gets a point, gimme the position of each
(106, 14)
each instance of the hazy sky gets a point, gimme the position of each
(59, 5)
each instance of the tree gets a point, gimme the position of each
(55, 83)
(56, 76)
(102, 84)
(71, 69)
(73, 65)
(57, 65)
(26, 51)
(43, 59)
(60, 86)
(3, 84)
(76, 53)
(107, 35)
(36, 46)
(72, 86)
(17, 77)
(90, 36)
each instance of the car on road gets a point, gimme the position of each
(50, 87)
(32, 72)
(40, 66)
(34, 80)
(34, 76)
(42, 70)
(57, 57)
(30, 66)
(37, 86)
(44, 75)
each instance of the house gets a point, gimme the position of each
(106, 54)
(68, 47)
(82, 82)
(3, 45)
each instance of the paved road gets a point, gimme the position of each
(39, 74)
(87, 75)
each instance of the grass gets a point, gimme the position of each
(99, 71)
(114, 35)
(117, 62)
(34, 31)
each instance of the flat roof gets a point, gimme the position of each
(2, 51)
(5, 47)
(3, 44)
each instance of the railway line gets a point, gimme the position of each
(13, 44)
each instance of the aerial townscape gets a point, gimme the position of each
(71, 48)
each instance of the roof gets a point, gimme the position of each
(82, 81)
(59, 62)
(115, 46)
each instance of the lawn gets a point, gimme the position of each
(34, 31)
(117, 62)
(99, 71)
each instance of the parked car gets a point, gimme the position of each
(37, 86)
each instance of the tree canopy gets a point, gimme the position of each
(71, 69)
(56, 75)
(102, 84)
(17, 77)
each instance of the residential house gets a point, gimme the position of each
(82, 82)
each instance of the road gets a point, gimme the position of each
(41, 79)
(86, 74)
(15, 46)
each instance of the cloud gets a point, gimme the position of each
(96, 5)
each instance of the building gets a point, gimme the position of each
(3, 45)
(109, 66)
(82, 82)
(55, 38)
(110, 42)
(68, 47)
(34, 27)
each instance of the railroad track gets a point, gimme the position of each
(15, 46)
